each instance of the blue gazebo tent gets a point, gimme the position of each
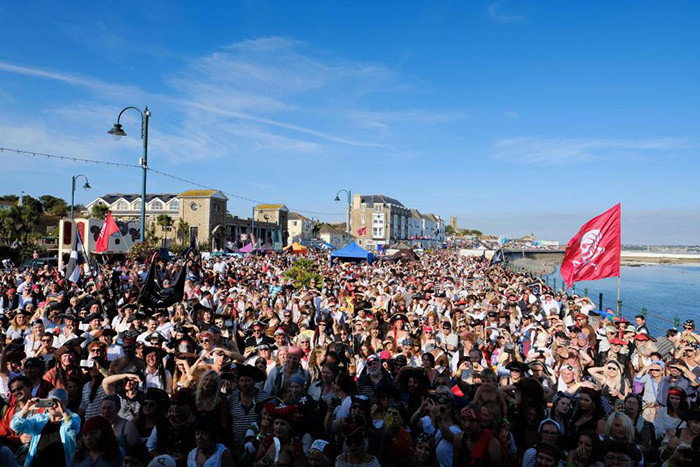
(352, 252)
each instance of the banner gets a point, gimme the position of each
(594, 252)
(109, 228)
(153, 295)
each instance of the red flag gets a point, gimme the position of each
(594, 252)
(362, 231)
(108, 229)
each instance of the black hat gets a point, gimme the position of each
(35, 362)
(155, 335)
(92, 316)
(149, 349)
(398, 316)
(518, 366)
(625, 448)
(251, 371)
(69, 316)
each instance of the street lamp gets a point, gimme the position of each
(72, 191)
(117, 131)
(337, 199)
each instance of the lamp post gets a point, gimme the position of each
(87, 186)
(117, 131)
(337, 199)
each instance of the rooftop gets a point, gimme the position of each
(295, 216)
(111, 198)
(271, 207)
(327, 229)
(198, 193)
(372, 199)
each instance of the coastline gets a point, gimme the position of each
(643, 258)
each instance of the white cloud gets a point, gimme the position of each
(554, 151)
(98, 86)
(497, 11)
(512, 114)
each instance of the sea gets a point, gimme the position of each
(668, 292)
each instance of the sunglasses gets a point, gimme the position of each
(21, 388)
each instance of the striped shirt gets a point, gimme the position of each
(91, 408)
(243, 416)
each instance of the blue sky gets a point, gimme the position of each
(519, 117)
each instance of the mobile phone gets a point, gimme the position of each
(466, 373)
(86, 364)
(209, 361)
(44, 403)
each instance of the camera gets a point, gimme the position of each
(510, 348)
(86, 364)
(44, 403)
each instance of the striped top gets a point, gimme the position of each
(243, 416)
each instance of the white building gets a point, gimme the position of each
(336, 237)
(299, 228)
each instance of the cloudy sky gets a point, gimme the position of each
(518, 117)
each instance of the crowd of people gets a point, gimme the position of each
(445, 361)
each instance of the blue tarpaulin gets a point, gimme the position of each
(352, 252)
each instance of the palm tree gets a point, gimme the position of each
(164, 221)
(99, 211)
(183, 230)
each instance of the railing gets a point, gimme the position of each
(655, 324)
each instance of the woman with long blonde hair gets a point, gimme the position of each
(611, 378)
(209, 400)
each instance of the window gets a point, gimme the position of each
(135, 205)
(174, 205)
(156, 205)
(194, 232)
(294, 223)
(378, 208)
(122, 205)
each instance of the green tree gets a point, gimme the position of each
(449, 230)
(164, 221)
(54, 206)
(99, 211)
(33, 205)
(303, 274)
(183, 231)
(17, 222)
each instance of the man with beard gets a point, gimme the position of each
(373, 378)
